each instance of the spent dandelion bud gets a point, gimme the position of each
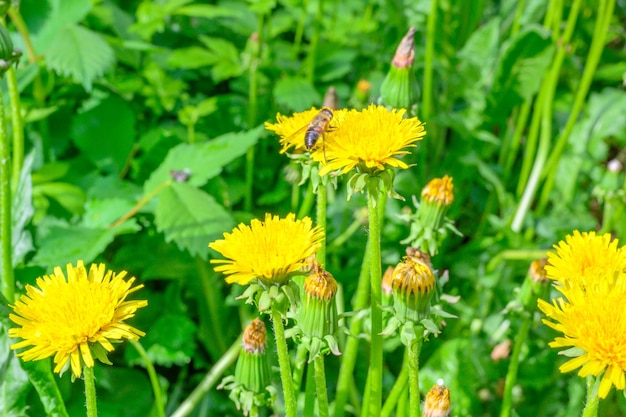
(413, 283)
(75, 318)
(317, 318)
(429, 224)
(251, 386)
(437, 402)
(534, 286)
(387, 280)
(399, 89)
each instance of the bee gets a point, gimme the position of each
(318, 126)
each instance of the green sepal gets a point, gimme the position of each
(100, 353)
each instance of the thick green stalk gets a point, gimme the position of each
(283, 362)
(321, 218)
(309, 393)
(320, 384)
(159, 404)
(511, 375)
(375, 374)
(90, 391)
(398, 388)
(592, 401)
(298, 369)
(18, 127)
(210, 379)
(603, 21)
(414, 349)
(307, 203)
(8, 279)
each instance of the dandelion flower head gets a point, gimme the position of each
(373, 139)
(75, 318)
(272, 250)
(590, 273)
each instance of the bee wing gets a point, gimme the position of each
(298, 131)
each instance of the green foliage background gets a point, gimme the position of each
(118, 94)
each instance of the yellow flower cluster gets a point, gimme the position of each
(590, 272)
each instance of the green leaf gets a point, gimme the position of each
(171, 340)
(192, 57)
(520, 71)
(80, 53)
(23, 210)
(228, 63)
(207, 11)
(69, 196)
(296, 94)
(204, 160)
(191, 218)
(105, 133)
(62, 14)
(63, 245)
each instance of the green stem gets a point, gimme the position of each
(511, 375)
(307, 203)
(592, 401)
(283, 362)
(398, 388)
(547, 96)
(311, 57)
(154, 379)
(414, 363)
(321, 218)
(298, 369)
(427, 93)
(90, 392)
(355, 226)
(309, 393)
(603, 21)
(297, 40)
(18, 127)
(519, 11)
(215, 305)
(375, 374)
(8, 279)
(210, 379)
(345, 379)
(320, 384)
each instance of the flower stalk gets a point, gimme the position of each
(283, 362)
(90, 392)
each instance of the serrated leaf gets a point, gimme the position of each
(520, 71)
(191, 218)
(105, 133)
(80, 53)
(204, 160)
(228, 62)
(62, 245)
(296, 94)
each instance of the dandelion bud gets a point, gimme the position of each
(331, 100)
(534, 286)
(251, 387)
(437, 402)
(429, 224)
(399, 89)
(413, 283)
(318, 314)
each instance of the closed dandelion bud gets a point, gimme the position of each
(413, 283)
(429, 224)
(399, 89)
(318, 313)
(535, 285)
(8, 55)
(437, 402)
(251, 387)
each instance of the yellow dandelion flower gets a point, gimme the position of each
(585, 258)
(373, 139)
(292, 129)
(76, 317)
(595, 323)
(272, 251)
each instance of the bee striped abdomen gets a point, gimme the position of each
(317, 127)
